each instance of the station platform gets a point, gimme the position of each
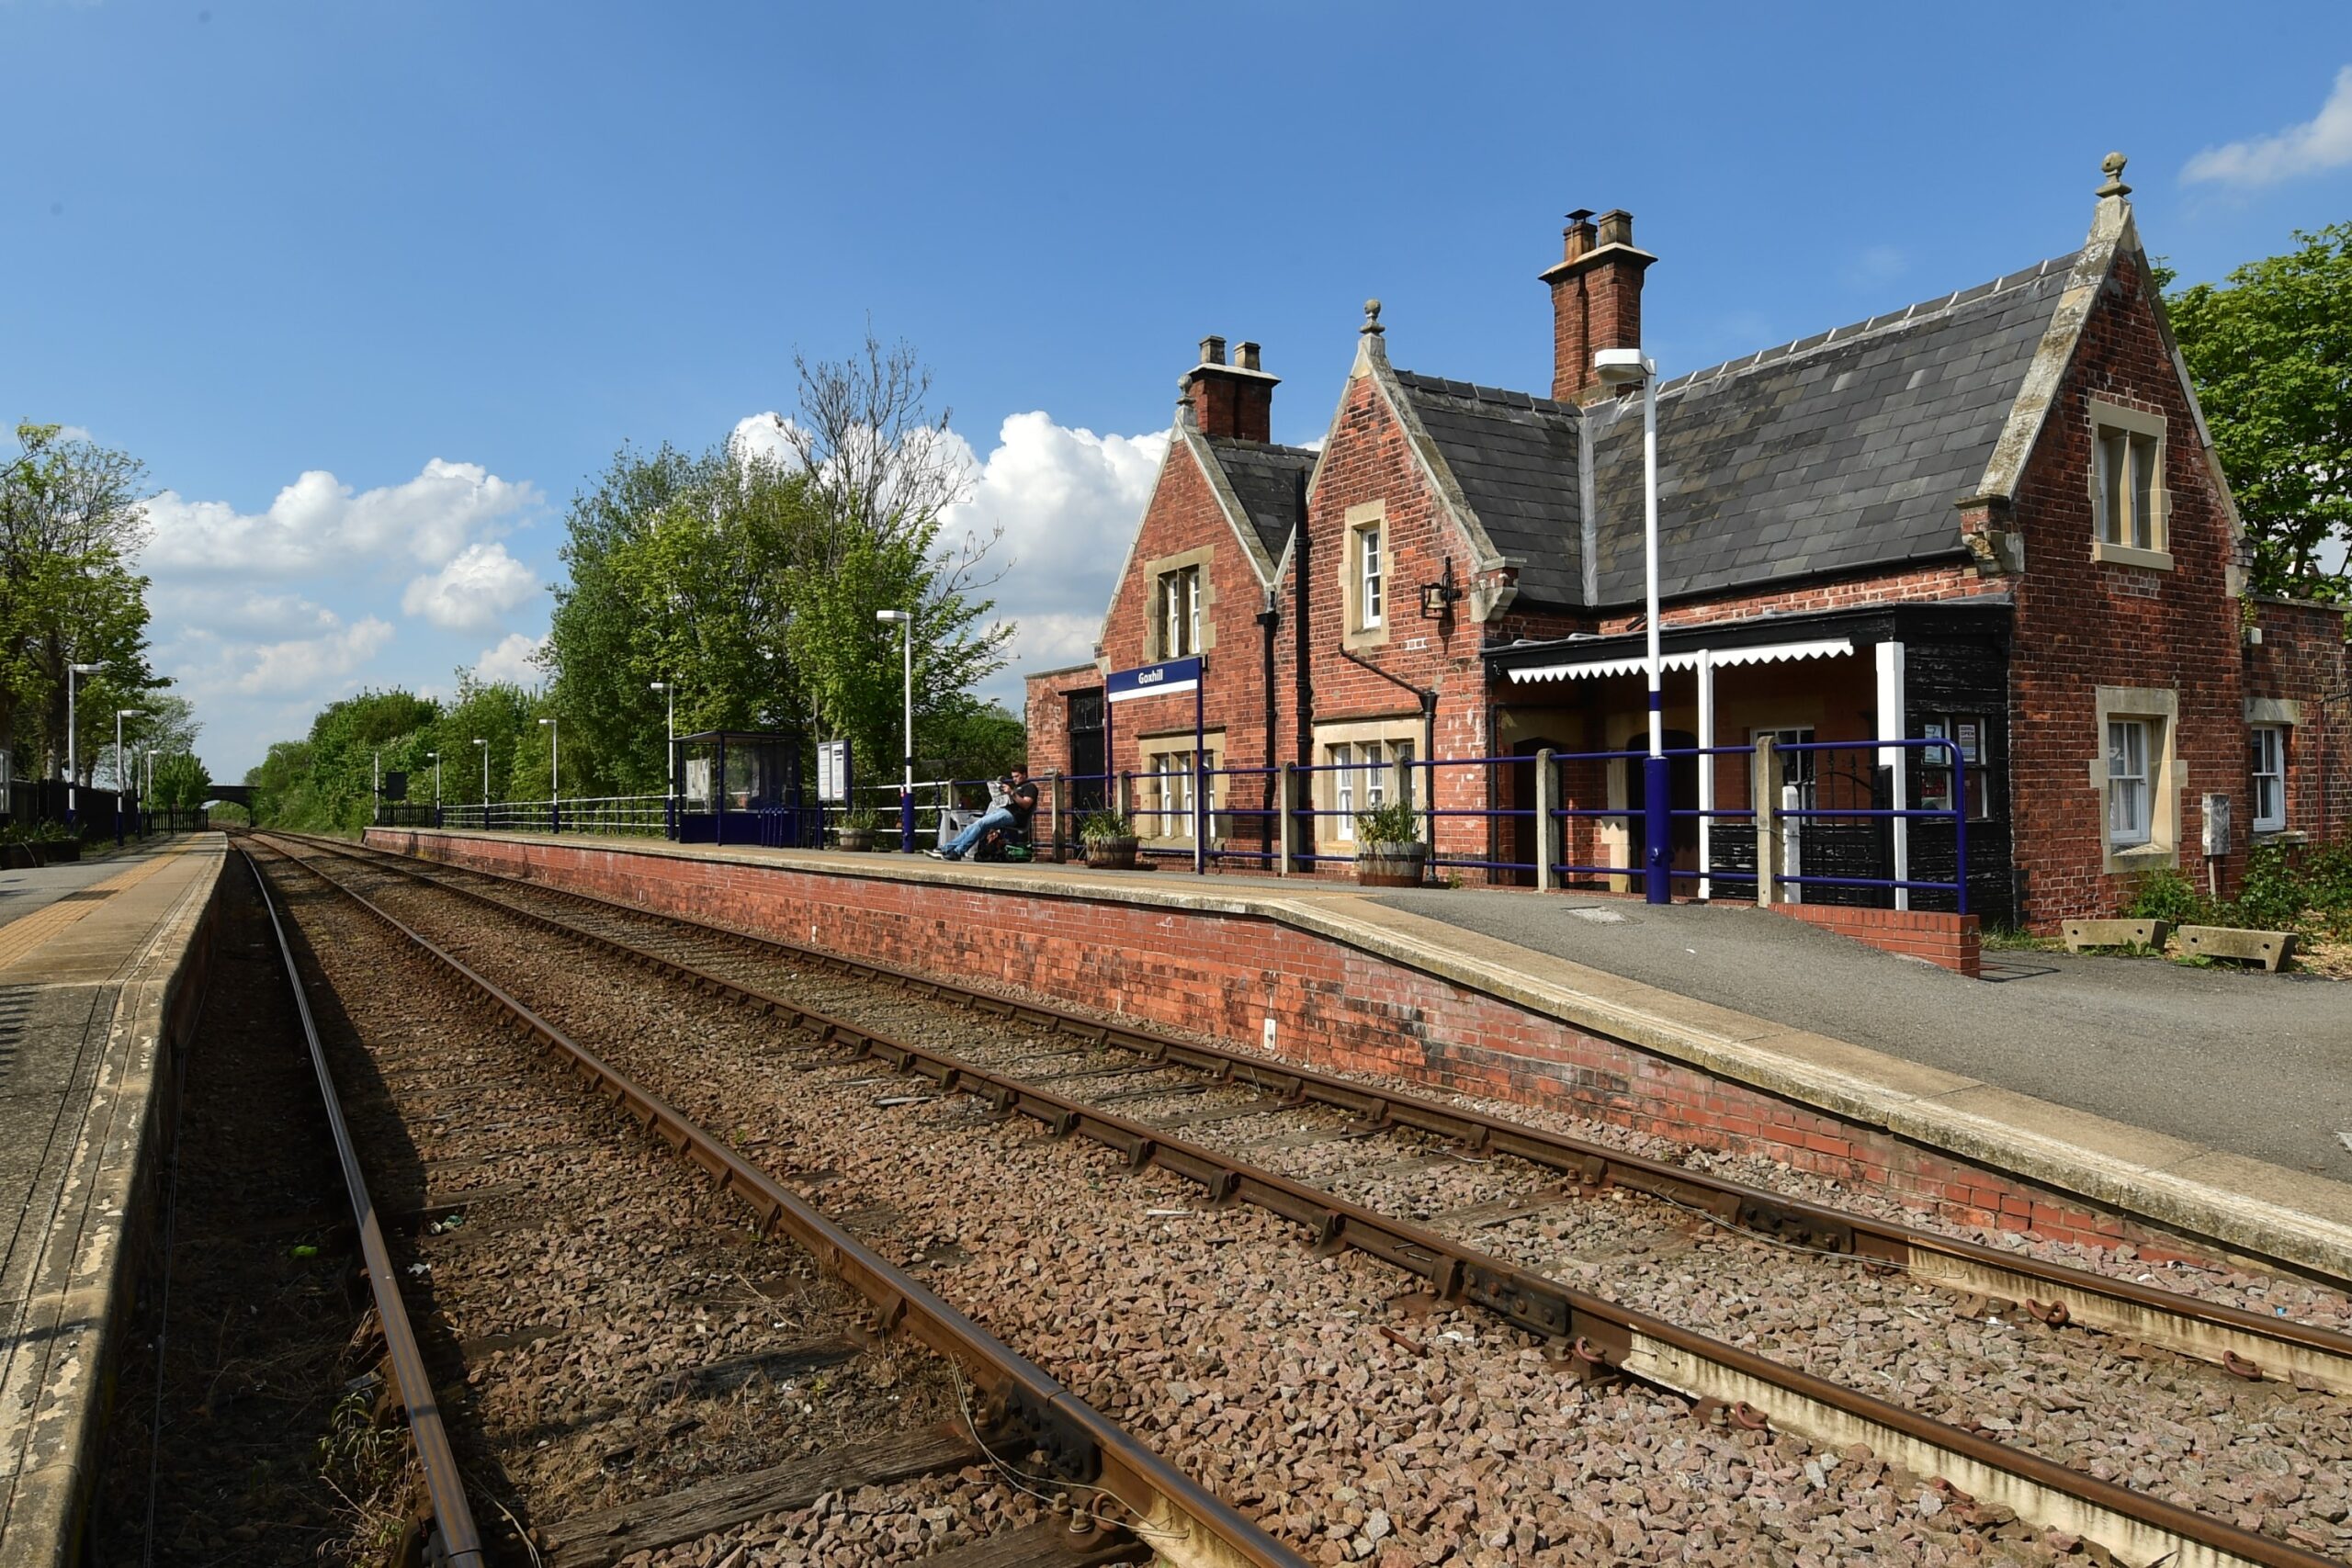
(2080, 1098)
(101, 966)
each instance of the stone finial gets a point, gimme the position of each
(2112, 166)
(1372, 319)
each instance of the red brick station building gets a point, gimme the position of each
(1994, 517)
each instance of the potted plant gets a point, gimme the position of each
(15, 855)
(1110, 839)
(856, 831)
(1390, 852)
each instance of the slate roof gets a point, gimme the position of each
(1840, 451)
(1266, 480)
(1516, 458)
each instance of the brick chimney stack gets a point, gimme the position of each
(1595, 300)
(1235, 400)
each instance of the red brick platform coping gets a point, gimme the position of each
(1333, 1006)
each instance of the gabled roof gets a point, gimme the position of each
(1840, 451)
(1511, 454)
(1266, 480)
(1843, 450)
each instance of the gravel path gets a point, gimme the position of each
(1303, 1389)
(604, 1330)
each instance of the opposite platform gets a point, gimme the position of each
(99, 978)
(2046, 1128)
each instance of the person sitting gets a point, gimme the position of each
(1010, 815)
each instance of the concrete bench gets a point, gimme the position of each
(2081, 934)
(2269, 949)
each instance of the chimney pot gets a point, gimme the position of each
(1616, 227)
(1212, 351)
(1577, 237)
(1245, 355)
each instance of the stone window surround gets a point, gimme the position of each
(2286, 713)
(1354, 633)
(1150, 749)
(2167, 776)
(1326, 789)
(1155, 571)
(2105, 416)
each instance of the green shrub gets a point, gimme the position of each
(2273, 896)
(2167, 896)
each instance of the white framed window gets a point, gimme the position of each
(1967, 732)
(1343, 791)
(2129, 745)
(1372, 580)
(2129, 502)
(1180, 612)
(2266, 748)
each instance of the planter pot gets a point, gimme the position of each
(55, 851)
(19, 857)
(858, 840)
(1112, 854)
(1391, 865)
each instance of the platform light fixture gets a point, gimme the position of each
(554, 757)
(1620, 369)
(669, 690)
(906, 623)
(121, 779)
(485, 779)
(72, 738)
(434, 758)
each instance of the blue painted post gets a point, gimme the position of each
(1657, 823)
(906, 820)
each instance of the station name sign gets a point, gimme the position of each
(1163, 679)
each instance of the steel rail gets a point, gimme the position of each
(461, 1543)
(2244, 1343)
(1182, 1520)
(1581, 1328)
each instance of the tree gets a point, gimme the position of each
(71, 522)
(181, 783)
(2271, 351)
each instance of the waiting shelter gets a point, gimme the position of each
(740, 786)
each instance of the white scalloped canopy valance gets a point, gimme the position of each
(1760, 653)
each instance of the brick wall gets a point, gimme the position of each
(1947, 940)
(1334, 1006)
(2083, 624)
(2302, 659)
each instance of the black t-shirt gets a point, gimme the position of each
(1022, 802)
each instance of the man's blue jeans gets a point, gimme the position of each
(961, 845)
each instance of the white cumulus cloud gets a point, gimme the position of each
(473, 591)
(2319, 143)
(318, 524)
(511, 659)
(301, 663)
(1069, 501)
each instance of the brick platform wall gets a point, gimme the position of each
(1950, 942)
(1334, 1006)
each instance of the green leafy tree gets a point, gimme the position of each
(2271, 351)
(181, 783)
(71, 523)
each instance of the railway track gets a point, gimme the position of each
(630, 1372)
(1204, 1091)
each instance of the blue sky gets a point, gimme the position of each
(374, 288)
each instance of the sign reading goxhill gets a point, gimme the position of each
(1163, 679)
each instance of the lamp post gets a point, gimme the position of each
(906, 620)
(485, 779)
(669, 689)
(1622, 368)
(121, 778)
(434, 758)
(555, 792)
(72, 738)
